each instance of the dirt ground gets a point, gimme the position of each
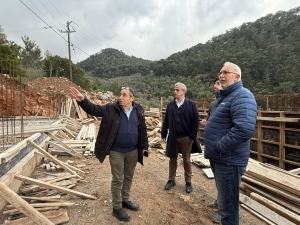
(157, 206)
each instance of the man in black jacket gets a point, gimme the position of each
(212, 107)
(122, 135)
(180, 128)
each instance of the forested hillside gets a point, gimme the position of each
(114, 63)
(267, 50)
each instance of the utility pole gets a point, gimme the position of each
(69, 46)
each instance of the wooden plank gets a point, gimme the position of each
(73, 152)
(15, 211)
(76, 142)
(73, 167)
(282, 182)
(25, 166)
(51, 158)
(208, 172)
(57, 146)
(80, 133)
(295, 171)
(47, 204)
(268, 213)
(35, 129)
(292, 198)
(276, 208)
(276, 178)
(259, 138)
(23, 206)
(44, 199)
(15, 149)
(69, 132)
(74, 121)
(63, 134)
(201, 161)
(54, 187)
(272, 197)
(279, 169)
(261, 217)
(55, 216)
(279, 119)
(281, 142)
(77, 109)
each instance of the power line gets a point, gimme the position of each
(88, 39)
(48, 26)
(81, 50)
(55, 8)
(42, 20)
(74, 53)
(50, 12)
(89, 33)
(73, 28)
(40, 11)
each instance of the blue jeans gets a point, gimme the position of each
(228, 180)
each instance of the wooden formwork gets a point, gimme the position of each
(276, 140)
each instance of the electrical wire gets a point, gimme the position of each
(90, 34)
(42, 20)
(81, 50)
(55, 8)
(41, 12)
(89, 38)
(51, 13)
(74, 54)
(52, 28)
(86, 38)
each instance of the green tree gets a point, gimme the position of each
(9, 55)
(31, 55)
(59, 67)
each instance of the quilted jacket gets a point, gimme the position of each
(230, 127)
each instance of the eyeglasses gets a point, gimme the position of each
(226, 72)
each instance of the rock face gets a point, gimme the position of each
(42, 97)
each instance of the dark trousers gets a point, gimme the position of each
(228, 179)
(184, 145)
(122, 169)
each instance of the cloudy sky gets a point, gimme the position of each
(149, 29)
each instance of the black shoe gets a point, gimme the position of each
(130, 205)
(170, 184)
(188, 187)
(121, 215)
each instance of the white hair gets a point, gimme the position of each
(182, 85)
(236, 68)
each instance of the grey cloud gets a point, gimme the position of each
(150, 29)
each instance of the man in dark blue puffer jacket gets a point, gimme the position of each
(227, 137)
